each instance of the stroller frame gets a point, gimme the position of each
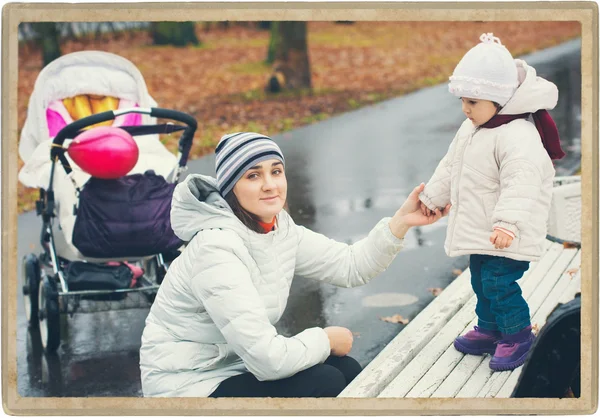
(46, 294)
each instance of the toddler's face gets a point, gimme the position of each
(478, 111)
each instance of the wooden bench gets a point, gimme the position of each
(421, 361)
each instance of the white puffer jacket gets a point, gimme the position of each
(214, 313)
(498, 177)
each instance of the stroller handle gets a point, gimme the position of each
(185, 142)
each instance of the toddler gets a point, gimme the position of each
(498, 177)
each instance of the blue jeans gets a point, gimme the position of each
(500, 304)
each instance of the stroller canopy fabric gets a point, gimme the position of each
(85, 72)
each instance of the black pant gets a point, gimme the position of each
(325, 380)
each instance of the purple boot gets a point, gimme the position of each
(478, 341)
(512, 350)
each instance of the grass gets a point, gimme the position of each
(250, 68)
(262, 95)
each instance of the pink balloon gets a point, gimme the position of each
(105, 152)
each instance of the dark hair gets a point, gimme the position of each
(247, 218)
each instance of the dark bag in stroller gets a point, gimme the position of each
(90, 276)
(125, 217)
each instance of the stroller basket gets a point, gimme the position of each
(90, 276)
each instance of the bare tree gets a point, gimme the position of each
(288, 51)
(47, 34)
(174, 33)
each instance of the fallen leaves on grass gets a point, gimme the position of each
(221, 82)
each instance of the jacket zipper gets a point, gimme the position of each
(460, 168)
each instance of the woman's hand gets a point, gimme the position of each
(411, 213)
(340, 340)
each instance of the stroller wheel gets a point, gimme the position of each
(30, 271)
(153, 271)
(49, 315)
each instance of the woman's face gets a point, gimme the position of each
(478, 111)
(262, 190)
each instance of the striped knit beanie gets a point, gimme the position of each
(237, 152)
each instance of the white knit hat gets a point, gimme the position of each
(487, 72)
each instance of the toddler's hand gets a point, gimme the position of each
(500, 239)
(425, 210)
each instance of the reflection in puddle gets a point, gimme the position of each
(381, 300)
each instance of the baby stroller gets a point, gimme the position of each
(91, 226)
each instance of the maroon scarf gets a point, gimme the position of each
(545, 126)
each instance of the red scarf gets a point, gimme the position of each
(544, 124)
(268, 227)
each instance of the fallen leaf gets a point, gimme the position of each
(435, 290)
(457, 272)
(535, 329)
(572, 272)
(396, 319)
(568, 244)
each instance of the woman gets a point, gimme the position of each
(210, 330)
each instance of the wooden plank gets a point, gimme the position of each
(538, 289)
(458, 378)
(445, 372)
(423, 361)
(495, 383)
(575, 285)
(558, 292)
(479, 378)
(402, 349)
(411, 374)
(507, 388)
(436, 375)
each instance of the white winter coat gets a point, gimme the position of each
(214, 313)
(498, 177)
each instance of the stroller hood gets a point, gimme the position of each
(86, 72)
(197, 205)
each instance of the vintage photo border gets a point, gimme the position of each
(584, 12)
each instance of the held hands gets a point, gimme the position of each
(340, 340)
(500, 239)
(412, 214)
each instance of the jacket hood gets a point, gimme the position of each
(534, 93)
(197, 205)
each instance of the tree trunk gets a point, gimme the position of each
(47, 33)
(173, 33)
(291, 67)
(274, 42)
